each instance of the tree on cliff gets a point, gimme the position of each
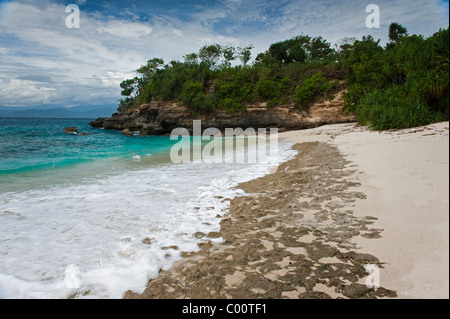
(289, 51)
(210, 54)
(245, 54)
(229, 54)
(402, 84)
(396, 31)
(150, 68)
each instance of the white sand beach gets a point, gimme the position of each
(405, 176)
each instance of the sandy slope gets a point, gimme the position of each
(405, 175)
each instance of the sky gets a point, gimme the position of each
(45, 64)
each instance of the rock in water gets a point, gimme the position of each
(84, 134)
(71, 130)
(127, 132)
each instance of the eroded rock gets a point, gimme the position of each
(161, 117)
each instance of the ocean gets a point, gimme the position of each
(94, 216)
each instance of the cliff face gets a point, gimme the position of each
(159, 118)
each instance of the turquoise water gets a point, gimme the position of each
(38, 151)
(77, 212)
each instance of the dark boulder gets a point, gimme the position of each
(71, 130)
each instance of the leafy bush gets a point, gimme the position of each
(404, 85)
(192, 95)
(233, 92)
(353, 96)
(266, 89)
(272, 102)
(202, 103)
(231, 105)
(190, 90)
(286, 85)
(328, 86)
(305, 92)
(394, 108)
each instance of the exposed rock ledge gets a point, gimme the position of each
(157, 118)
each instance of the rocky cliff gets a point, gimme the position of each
(157, 118)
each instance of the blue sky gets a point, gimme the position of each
(44, 64)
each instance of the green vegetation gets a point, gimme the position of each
(404, 84)
(305, 92)
(192, 95)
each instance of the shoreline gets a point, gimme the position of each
(308, 229)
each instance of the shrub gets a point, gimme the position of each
(266, 89)
(193, 96)
(202, 103)
(189, 91)
(305, 92)
(231, 93)
(328, 86)
(353, 96)
(286, 85)
(394, 108)
(272, 102)
(231, 105)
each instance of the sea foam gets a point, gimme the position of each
(112, 233)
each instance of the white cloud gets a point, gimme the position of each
(337, 19)
(125, 29)
(101, 53)
(26, 92)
